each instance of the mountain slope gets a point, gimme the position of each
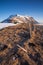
(19, 19)
(15, 39)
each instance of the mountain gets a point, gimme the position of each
(21, 41)
(21, 45)
(19, 19)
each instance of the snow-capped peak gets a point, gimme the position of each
(19, 18)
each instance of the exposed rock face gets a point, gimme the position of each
(11, 37)
(19, 19)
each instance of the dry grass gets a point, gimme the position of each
(10, 54)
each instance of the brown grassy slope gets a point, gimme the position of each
(10, 54)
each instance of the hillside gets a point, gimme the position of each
(21, 45)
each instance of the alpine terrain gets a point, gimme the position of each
(21, 41)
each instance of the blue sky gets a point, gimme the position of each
(32, 8)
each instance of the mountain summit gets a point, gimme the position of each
(19, 19)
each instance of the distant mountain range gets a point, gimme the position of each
(19, 19)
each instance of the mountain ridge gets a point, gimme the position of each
(17, 18)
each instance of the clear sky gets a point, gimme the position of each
(32, 8)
